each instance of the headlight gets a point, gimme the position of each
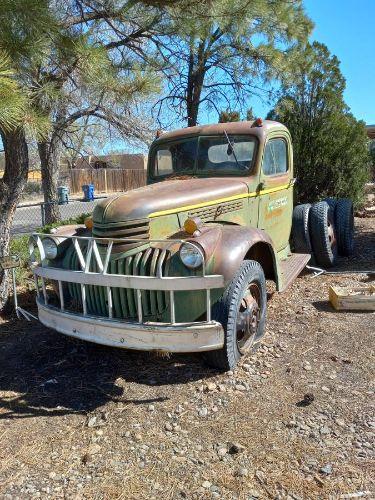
(50, 248)
(191, 255)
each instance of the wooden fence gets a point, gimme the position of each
(106, 180)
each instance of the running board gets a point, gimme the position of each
(291, 267)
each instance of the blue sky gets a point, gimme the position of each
(347, 27)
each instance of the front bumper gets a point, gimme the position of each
(171, 336)
(180, 337)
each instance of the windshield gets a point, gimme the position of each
(227, 154)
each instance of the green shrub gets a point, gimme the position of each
(331, 156)
(80, 219)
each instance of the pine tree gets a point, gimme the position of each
(21, 25)
(218, 60)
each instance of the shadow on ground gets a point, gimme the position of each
(44, 373)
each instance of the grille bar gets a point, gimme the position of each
(138, 229)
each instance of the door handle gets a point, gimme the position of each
(260, 187)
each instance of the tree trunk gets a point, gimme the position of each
(11, 187)
(50, 154)
(196, 74)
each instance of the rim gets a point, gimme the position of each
(331, 233)
(248, 317)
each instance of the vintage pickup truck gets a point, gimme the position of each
(180, 265)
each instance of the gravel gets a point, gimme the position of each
(295, 420)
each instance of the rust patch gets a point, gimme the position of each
(274, 213)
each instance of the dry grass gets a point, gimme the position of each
(43, 426)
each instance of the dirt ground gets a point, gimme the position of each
(83, 421)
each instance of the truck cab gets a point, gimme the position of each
(180, 264)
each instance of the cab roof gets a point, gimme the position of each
(241, 128)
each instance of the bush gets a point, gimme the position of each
(80, 219)
(32, 189)
(331, 156)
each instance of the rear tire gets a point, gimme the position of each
(300, 229)
(242, 312)
(344, 218)
(322, 233)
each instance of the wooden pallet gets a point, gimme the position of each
(360, 298)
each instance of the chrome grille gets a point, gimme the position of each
(149, 262)
(138, 229)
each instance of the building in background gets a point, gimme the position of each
(371, 131)
(122, 161)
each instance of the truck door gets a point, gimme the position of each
(276, 189)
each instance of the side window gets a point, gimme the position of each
(275, 160)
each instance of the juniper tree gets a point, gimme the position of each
(330, 146)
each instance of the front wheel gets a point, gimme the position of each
(242, 312)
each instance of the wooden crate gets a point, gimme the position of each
(361, 298)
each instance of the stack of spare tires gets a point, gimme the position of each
(324, 230)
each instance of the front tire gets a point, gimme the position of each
(242, 312)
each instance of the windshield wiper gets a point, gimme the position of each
(240, 167)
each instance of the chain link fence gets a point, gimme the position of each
(30, 217)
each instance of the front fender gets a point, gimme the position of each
(226, 246)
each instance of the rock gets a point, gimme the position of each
(203, 412)
(151, 408)
(222, 452)
(210, 387)
(206, 484)
(92, 421)
(307, 400)
(326, 389)
(234, 448)
(240, 387)
(242, 472)
(327, 469)
(340, 422)
(306, 366)
(168, 427)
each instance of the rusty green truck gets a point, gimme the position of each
(180, 265)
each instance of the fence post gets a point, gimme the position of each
(43, 214)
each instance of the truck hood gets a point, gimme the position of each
(165, 196)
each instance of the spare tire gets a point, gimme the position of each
(344, 220)
(300, 229)
(322, 234)
(332, 203)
